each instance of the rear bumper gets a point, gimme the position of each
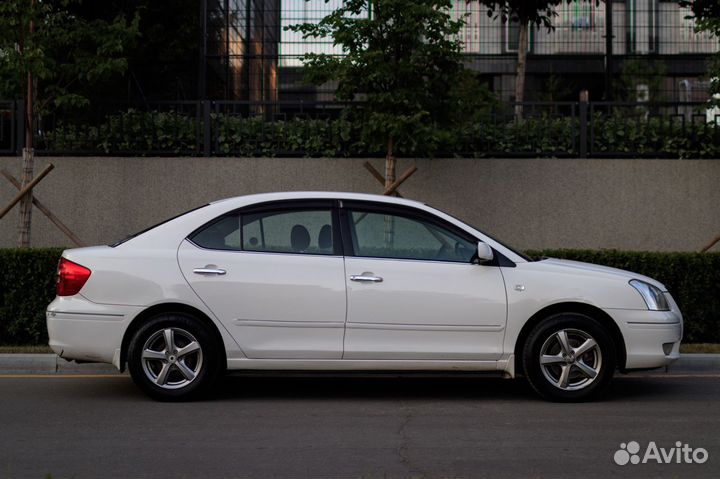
(85, 331)
(652, 338)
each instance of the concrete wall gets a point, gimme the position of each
(665, 205)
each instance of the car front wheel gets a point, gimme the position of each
(569, 357)
(173, 357)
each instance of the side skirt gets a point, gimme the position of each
(389, 365)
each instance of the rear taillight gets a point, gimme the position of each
(71, 277)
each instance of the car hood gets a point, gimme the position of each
(595, 268)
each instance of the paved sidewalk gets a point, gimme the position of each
(49, 364)
(52, 364)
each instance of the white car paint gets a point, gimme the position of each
(424, 310)
(276, 305)
(296, 311)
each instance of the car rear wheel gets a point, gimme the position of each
(569, 357)
(173, 357)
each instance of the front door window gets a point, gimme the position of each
(383, 235)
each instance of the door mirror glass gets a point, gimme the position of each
(484, 252)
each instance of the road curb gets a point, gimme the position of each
(52, 364)
(696, 363)
(49, 364)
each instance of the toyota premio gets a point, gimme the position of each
(350, 282)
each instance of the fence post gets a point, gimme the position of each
(19, 126)
(207, 131)
(583, 116)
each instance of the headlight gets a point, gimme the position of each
(654, 298)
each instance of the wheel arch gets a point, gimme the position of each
(161, 308)
(571, 307)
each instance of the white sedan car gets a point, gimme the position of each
(344, 281)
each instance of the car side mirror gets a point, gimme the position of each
(484, 252)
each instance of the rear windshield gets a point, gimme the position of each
(127, 238)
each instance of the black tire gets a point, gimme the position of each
(160, 374)
(550, 379)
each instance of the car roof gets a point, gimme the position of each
(314, 195)
(179, 228)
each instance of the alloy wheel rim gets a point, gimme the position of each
(570, 359)
(172, 358)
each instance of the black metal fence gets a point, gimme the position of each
(244, 128)
(11, 127)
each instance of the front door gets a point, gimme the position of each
(414, 291)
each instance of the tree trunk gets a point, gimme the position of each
(28, 160)
(28, 170)
(390, 165)
(389, 180)
(520, 71)
(24, 225)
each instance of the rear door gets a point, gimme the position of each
(275, 276)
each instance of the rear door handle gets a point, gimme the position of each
(209, 271)
(366, 278)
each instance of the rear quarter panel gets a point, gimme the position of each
(140, 275)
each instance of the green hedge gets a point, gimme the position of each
(28, 277)
(626, 132)
(27, 285)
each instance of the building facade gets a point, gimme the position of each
(251, 56)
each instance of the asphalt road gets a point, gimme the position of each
(380, 427)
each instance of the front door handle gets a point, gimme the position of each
(209, 271)
(366, 278)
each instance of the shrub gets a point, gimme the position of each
(27, 286)
(626, 131)
(635, 131)
(128, 132)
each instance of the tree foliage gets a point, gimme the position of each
(537, 12)
(400, 57)
(706, 14)
(66, 53)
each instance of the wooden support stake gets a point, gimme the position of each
(393, 188)
(376, 174)
(368, 166)
(46, 211)
(408, 173)
(711, 244)
(27, 188)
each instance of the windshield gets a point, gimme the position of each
(129, 237)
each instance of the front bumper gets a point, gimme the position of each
(652, 338)
(85, 331)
